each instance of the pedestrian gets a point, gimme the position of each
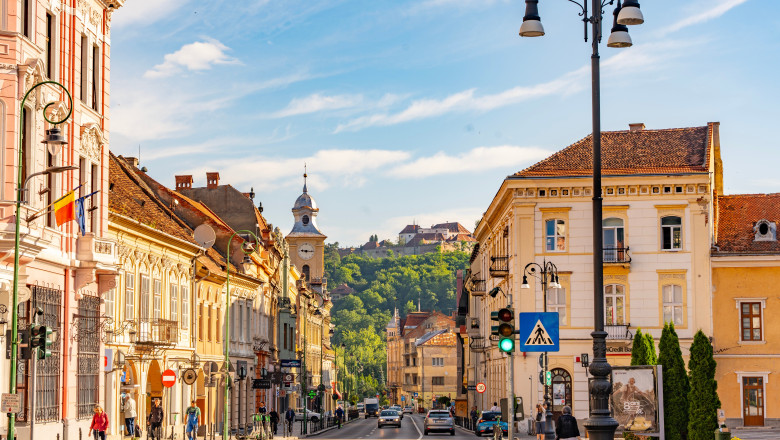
(274, 420)
(130, 415)
(192, 418)
(339, 415)
(495, 407)
(99, 424)
(154, 420)
(289, 416)
(567, 428)
(261, 409)
(474, 416)
(540, 416)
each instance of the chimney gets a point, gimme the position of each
(212, 180)
(183, 182)
(636, 127)
(133, 161)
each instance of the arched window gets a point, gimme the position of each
(305, 271)
(614, 239)
(614, 304)
(561, 391)
(671, 233)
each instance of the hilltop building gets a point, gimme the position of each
(415, 240)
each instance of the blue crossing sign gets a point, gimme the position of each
(539, 332)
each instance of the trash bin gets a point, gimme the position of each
(719, 435)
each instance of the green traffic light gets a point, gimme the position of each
(507, 345)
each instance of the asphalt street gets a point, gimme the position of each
(411, 429)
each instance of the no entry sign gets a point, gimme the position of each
(168, 378)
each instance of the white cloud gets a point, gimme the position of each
(145, 12)
(200, 55)
(477, 159)
(316, 103)
(709, 12)
(428, 5)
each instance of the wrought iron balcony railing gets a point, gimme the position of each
(478, 287)
(499, 267)
(157, 332)
(618, 331)
(617, 255)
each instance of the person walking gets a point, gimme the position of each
(130, 415)
(262, 409)
(339, 415)
(540, 416)
(192, 418)
(474, 416)
(154, 420)
(99, 424)
(289, 416)
(495, 407)
(567, 428)
(274, 420)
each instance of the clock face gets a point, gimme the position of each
(306, 251)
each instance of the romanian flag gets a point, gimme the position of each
(65, 209)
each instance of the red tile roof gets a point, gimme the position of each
(738, 214)
(667, 151)
(452, 227)
(410, 229)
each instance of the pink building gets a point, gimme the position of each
(62, 271)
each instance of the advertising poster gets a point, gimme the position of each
(634, 398)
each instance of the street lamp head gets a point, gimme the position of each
(54, 140)
(525, 284)
(630, 14)
(55, 170)
(532, 24)
(619, 36)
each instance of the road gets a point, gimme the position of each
(411, 429)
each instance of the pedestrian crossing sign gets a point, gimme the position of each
(539, 332)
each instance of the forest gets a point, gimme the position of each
(381, 285)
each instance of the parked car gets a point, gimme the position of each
(487, 421)
(389, 417)
(438, 420)
(310, 415)
(408, 409)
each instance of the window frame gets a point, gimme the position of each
(742, 316)
(673, 304)
(615, 296)
(173, 300)
(671, 228)
(557, 307)
(129, 299)
(184, 313)
(557, 238)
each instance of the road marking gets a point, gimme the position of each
(418, 429)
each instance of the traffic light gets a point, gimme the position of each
(37, 335)
(505, 329)
(548, 378)
(45, 351)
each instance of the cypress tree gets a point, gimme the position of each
(638, 351)
(703, 398)
(675, 384)
(652, 358)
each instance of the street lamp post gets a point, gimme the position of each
(600, 424)
(54, 141)
(247, 249)
(547, 273)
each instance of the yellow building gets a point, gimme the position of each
(745, 267)
(658, 188)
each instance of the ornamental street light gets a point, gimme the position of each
(600, 424)
(547, 273)
(247, 248)
(54, 141)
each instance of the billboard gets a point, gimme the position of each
(634, 398)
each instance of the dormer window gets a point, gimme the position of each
(305, 220)
(765, 231)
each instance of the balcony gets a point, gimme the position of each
(499, 267)
(157, 332)
(618, 332)
(478, 287)
(95, 250)
(617, 255)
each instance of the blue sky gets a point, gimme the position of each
(416, 110)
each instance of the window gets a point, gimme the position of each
(185, 307)
(751, 321)
(144, 306)
(673, 309)
(50, 218)
(129, 296)
(437, 380)
(26, 142)
(89, 356)
(218, 320)
(26, 21)
(305, 272)
(437, 362)
(95, 77)
(49, 46)
(556, 302)
(201, 321)
(174, 302)
(614, 239)
(83, 74)
(555, 235)
(765, 231)
(671, 233)
(614, 304)
(305, 219)
(110, 303)
(157, 299)
(285, 336)
(94, 179)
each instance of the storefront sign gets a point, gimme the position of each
(634, 398)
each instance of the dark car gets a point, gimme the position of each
(439, 420)
(487, 421)
(388, 417)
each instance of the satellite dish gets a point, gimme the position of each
(204, 235)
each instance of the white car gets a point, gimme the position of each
(397, 409)
(310, 415)
(408, 409)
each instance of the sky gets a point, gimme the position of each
(415, 111)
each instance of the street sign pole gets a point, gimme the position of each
(511, 400)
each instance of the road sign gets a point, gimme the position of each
(403, 398)
(415, 394)
(539, 332)
(190, 376)
(291, 363)
(168, 378)
(471, 388)
(481, 387)
(11, 403)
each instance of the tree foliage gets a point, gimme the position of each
(703, 398)
(643, 349)
(652, 358)
(675, 385)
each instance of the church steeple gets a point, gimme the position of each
(304, 179)
(305, 212)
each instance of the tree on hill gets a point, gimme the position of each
(703, 398)
(675, 383)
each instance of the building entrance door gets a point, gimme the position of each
(561, 391)
(753, 401)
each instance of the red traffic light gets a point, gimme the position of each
(505, 315)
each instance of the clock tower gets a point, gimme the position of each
(307, 243)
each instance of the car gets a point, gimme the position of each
(408, 409)
(310, 415)
(388, 417)
(361, 407)
(487, 421)
(438, 420)
(398, 410)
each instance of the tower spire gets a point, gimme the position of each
(304, 178)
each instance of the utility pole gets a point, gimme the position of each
(303, 376)
(511, 400)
